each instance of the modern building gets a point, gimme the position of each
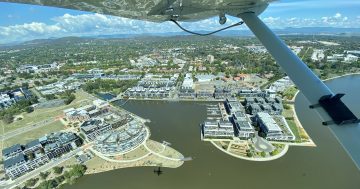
(249, 100)
(266, 108)
(350, 58)
(6, 101)
(217, 130)
(277, 108)
(253, 109)
(74, 115)
(12, 151)
(243, 128)
(188, 82)
(318, 55)
(94, 127)
(20, 159)
(187, 93)
(233, 106)
(259, 100)
(222, 93)
(210, 58)
(122, 140)
(86, 112)
(32, 146)
(59, 143)
(204, 77)
(204, 94)
(11, 97)
(250, 92)
(274, 128)
(16, 166)
(281, 84)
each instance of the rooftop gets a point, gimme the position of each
(11, 149)
(13, 161)
(268, 121)
(32, 144)
(243, 125)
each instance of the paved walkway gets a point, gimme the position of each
(279, 155)
(119, 161)
(162, 156)
(262, 145)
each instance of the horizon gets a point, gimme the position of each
(22, 22)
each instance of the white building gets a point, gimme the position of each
(16, 166)
(210, 58)
(256, 48)
(188, 81)
(275, 128)
(220, 130)
(350, 58)
(93, 128)
(6, 101)
(204, 77)
(244, 129)
(317, 55)
(281, 84)
(353, 52)
(335, 58)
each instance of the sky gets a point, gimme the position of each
(19, 22)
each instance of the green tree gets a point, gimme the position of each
(29, 109)
(37, 83)
(50, 97)
(263, 154)
(31, 182)
(274, 152)
(44, 175)
(58, 170)
(8, 118)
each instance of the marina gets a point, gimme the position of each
(301, 167)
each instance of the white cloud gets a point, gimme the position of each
(271, 20)
(312, 4)
(98, 24)
(337, 20)
(337, 15)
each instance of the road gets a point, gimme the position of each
(44, 168)
(25, 129)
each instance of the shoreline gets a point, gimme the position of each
(297, 120)
(150, 159)
(277, 156)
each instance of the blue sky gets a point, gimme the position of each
(20, 22)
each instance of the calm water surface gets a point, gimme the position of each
(325, 167)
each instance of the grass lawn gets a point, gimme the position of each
(288, 113)
(138, 152)
(294, 129)
(82, 98)
(34, 134)
(95, 163)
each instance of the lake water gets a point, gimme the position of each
(325, 166)
(106, 96)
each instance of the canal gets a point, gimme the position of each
(325, 166)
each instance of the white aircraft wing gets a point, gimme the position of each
(157, 10)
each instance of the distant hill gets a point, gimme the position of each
(226, 33)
